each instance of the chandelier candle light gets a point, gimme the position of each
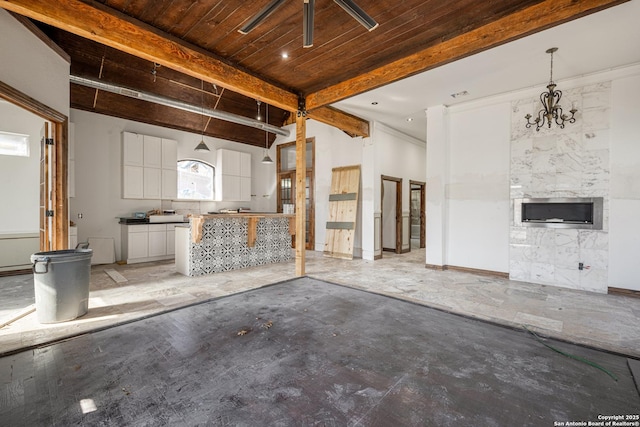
(552, 111)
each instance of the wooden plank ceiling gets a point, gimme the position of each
(197, 44)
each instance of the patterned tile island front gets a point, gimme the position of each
(222, 242)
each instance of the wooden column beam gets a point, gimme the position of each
(538, 17)
(301, 205)
(95, 21)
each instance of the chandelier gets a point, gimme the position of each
(552, 111)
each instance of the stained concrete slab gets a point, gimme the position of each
(307, 352)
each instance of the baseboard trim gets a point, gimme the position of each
(15, 272)
(624, 292)
(500, 274)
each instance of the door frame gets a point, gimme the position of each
(59, 230)
(423, 207)
(398, 181)
(312, 185)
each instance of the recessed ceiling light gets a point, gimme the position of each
(459, 94)
(285, 55)
(374, 103)
(410, 119)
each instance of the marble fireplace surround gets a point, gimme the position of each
(561, 163)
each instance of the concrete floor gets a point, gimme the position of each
(310, 353)
(603, 321)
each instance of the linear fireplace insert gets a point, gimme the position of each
(570, 212)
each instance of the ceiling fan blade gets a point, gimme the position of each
(260, 16)
(358, 14)
(307, 23)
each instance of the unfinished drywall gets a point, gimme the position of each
(477, 188)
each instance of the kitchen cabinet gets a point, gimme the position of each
(132, 182)
(132, 149)
(151, 183)
(147, 242)
(233, 176)
(152, 151)
(157, 240)
(135, 243)
(149, 167)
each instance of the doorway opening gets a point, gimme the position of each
(286, 186)
(391, 215)
(54, 204)
(417, 217)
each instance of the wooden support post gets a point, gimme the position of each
(301, 175)
(252, 231)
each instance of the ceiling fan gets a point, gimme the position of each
(307, 21)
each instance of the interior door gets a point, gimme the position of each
(287, 196)
(391, 215)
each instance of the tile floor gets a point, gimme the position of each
(604, 321)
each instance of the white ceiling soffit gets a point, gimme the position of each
(598, 42)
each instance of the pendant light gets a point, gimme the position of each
(266, 160)
(202, 146)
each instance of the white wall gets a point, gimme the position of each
(98, 159)
(477, 190)
(624, 208)
(604, 147)
(399, 156)
(20, 176)
(31, 66)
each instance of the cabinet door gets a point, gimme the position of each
(132, 149)
(157, 242)
(171, 239)
(245, 165)
(169, 184)
(169, 154)
(230, 186)
(152, 152)
(152, 183)
(229, 162)
(132, 182)
(245, 189)
(138, 244)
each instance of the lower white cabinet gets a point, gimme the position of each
(147, 242)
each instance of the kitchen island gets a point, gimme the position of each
(213, 243)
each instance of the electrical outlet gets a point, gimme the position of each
(79, 216)
(580, 266)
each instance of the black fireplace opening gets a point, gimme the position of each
(574, 213)
(565, 212)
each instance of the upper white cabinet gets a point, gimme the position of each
(152, 152)
(132, 149)
(149, 167)
(233, 176)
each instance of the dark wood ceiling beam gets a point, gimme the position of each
(111, 28)
(352, 125)
(93, 21)
(541, 16)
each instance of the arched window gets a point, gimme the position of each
(195, 180)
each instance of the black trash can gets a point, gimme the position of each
(61, 282)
